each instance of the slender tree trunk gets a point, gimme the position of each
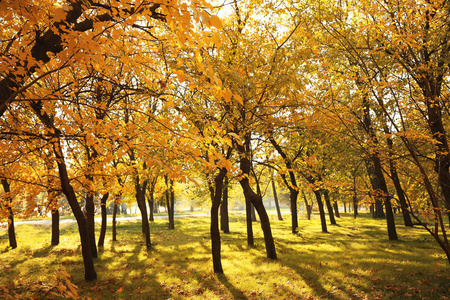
(248, 218)
(101, 239)
(355, 206)
(308, 207)
(68, 191)
(140, 197)
(293, 195)
(11, 228)
(55, 227)
(214, 229)
(151, 200)
(170, 200)
(329, 207)
(253, 213)
(114, 222)
(67, 188)
(275, 198)
(396, 180)
(224, 218)
(336, 209)
(345, 207)
(254, 198)
(90, 222)
(384, 194)
(323, 221)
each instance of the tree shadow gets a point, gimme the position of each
(237, 294)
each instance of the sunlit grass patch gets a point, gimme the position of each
(355, 260)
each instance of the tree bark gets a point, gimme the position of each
(140, 197)
(101, 239)
(254, 198)
(396, 180)
(224, 218)
(336, 209)
(323, 221)
(151, 200)
(69, 192)
(55, 227)
(308, 207)
(275, 198)
(11, 228)
(214, 229)
(170, 201)
(114, 222)
(329, 207)
(90, 221)
(249, 222)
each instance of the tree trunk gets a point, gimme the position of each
(329, 207)
(345, 207)
(323, 221)
(308, 207)
(90, 221)
(254, 198)
(378, 212)
(253, 213)
(336, 209)
(55, 227)
(293, 195)
(151, 200)
(68, 191)
(355, 206)
(248, 218)
(101, 239)
(11, 228)
(116, 206)
(140, 197)
(214, 229)
(398, 188)
(224, 218)
(384, 194)
(275, 198)
(170, 201)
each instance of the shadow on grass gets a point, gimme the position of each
(237, 294)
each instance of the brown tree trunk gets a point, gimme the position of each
(89, 269)
(114, 223)
(69, 192)
(254, 198)
(224, 218)
(336, 209)
(253, 213)
(90, 221)
(214, 229)
(345, 207)
(8, 201)
(170, 201)
(55, 227)
(248, 219)
(275, 198)
(140, 197)
(396, 180)
(323, 221)
(101, 239)
(329, 207)
(308, 207)
(151, 200)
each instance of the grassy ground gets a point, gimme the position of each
(354, 261)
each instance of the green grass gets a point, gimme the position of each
(354, 261)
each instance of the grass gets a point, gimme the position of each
(354, 261)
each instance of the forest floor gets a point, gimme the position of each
(355, 260)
